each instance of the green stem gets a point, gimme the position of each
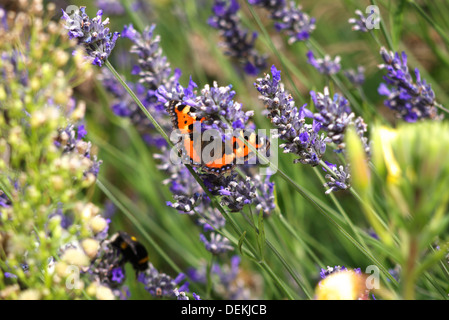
(133, 15)
(5, 190)
(139, 103)
(230, 220)
(274, 49)
(409, 269)
(441, 32)
(342, 211)
(283, 261)
(209, 277)
(316, 48)
(384, 30)
(303, 243)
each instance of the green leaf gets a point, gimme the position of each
(397, 22)
(240, 243)
(261, 235)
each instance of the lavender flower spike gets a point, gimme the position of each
(334, 115)
(268, 4)
(92, 34)
(360, 23)
(325, 66)
(289, 18)
(341, 180)
(238, 42)
(356, 77)
(217, 243)
(410, 100)
(294, 22)
(160, 284)
(301, 138)
(237, 194)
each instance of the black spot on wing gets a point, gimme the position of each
(180, 107)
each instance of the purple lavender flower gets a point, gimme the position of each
(264, 200)
(238, 194)
(180, 295)
(112, 7)
(294, 22)
(184, 203)
(329, 270)
(81, 131)
(214, 220)
(341, 180)
(334, 115)
(361, 128)
(395, 272)
(217, 243)
(103, 265)
(226, 280)
(356, 77)
(3, 19)
(289, 18)
(142, 6)
(124, 106)
(238, 42)
(359, 23)
(66, 219)
(92, 34)
(217, 101)
(191, 199)
(177, 92)
(9, 275)
(69, 140)
(118, 275)
(152, 66)
(160, 284)
(373, 234)
(187, 193)
(4, 200)
(411, 101)
(301, 138)
(13, 59)
(154, 72)
(325, 66)
(268, 4)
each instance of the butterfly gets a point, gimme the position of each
(204, 154)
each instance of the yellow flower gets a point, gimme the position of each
(387, 136)
(342, 285)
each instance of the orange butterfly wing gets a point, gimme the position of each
(182, 119)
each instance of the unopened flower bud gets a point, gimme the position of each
(90, 247)
(77, 257)
(104, 293)
(98, 224)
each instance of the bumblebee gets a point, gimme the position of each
(131, 249)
